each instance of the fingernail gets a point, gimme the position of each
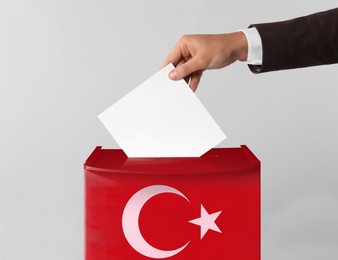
(173, 74)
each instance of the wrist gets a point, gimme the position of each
(240, 46)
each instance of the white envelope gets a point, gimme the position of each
(162, 118)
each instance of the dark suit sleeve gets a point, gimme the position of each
(302, 42)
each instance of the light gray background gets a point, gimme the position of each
(63, 62)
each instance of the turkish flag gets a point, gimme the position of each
(172, 208)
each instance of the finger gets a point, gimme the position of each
(174, 57)
(187, 78)
(195, 80)
(187, 68)
(181, 62)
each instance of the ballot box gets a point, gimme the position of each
(204, 207)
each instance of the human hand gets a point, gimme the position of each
(195, 53)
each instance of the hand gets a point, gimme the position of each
(195, 53)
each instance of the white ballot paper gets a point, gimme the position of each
(162, 118)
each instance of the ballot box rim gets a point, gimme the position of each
(216, 160)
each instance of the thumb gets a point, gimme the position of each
(186, 69)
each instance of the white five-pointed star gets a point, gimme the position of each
(207, 221)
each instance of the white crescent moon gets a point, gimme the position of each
(130, 219)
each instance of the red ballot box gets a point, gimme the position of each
(172, 208)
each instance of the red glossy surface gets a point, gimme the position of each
(224, 179)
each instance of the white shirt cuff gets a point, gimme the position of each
(255, 50)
